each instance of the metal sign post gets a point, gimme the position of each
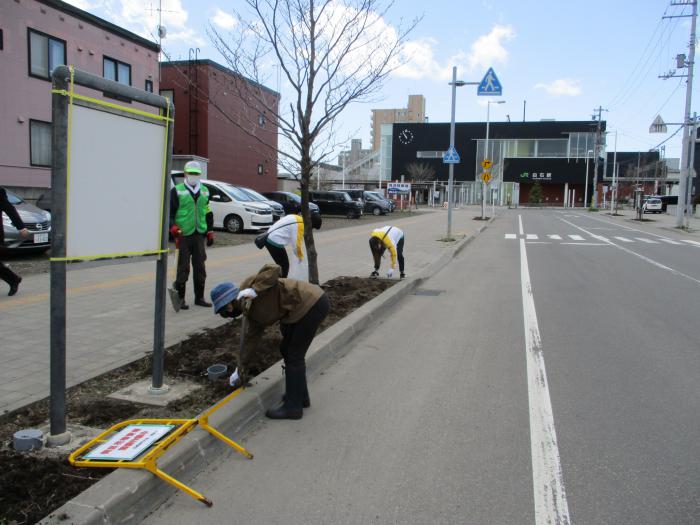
(148, 137)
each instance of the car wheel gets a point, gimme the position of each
(351, 215)
(233, 224)
(376, 211)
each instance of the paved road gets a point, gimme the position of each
(549, 381)
(110, 307)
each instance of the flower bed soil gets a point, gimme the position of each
(31, 486)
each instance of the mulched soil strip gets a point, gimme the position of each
(32, 486)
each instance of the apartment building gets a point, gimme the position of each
(414, 112)
(36, 36)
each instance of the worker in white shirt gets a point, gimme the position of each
(392, 238)
(288, 231)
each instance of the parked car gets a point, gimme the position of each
(36, 220)
(375, 204)
(234, 210)
(666, 200)
(291, 202)
(356, 195)
(391, 203)
(652, 206)
(336, 203)
(277, 208)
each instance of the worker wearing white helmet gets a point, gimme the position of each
(192, 224)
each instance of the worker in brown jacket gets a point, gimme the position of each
(266, 298)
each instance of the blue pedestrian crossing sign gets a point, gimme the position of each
(451, 156)
(490, 85)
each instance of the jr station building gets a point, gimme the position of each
(559, 155)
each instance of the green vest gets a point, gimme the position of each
(192, 215)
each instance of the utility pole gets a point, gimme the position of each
(686, 168)
(596, 149)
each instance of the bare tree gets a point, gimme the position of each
(420, 171)
(330, 53)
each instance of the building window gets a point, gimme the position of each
(169, 94)
(261, 120)
(45, 54)
(260, 169)
(39, 143)
(149, 86)
(115, 70)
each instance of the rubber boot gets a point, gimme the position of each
(292, 407)
(199, 299)
(305, 402)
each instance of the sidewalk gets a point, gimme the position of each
(110, 308)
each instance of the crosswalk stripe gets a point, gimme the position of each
(648, 241)
(531, 236)
(575, 237)
(670, 241)
(510, 236)
(696, 243)
(555, 237)
(623, 239)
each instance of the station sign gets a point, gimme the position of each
(398, 188)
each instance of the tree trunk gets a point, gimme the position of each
(308, 229)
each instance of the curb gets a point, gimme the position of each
(128, 496)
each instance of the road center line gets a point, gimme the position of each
(627, 250)
(551, 506)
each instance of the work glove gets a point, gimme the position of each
(248, 293)
(175, 231)
(210, 238)
(390, 273)
(239, 378)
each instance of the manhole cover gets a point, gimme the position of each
(431, 293)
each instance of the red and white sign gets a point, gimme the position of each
(129, 443)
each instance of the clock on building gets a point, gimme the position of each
(406, 136)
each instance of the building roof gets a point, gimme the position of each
(216, 65)
(87, 17)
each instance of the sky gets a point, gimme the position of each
(555, 59)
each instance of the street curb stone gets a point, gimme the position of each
(128, 496)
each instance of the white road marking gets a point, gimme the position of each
(670, 241)
(551, 506)
(624, 239)
(538, 242)
(531, 236)
(629, 228)
(584, 243)
(648, 241)
(575, 237)
(644, 258)
(510, 236)
(555, 237)
(696, 243)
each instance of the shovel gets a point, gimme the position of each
(172, 292)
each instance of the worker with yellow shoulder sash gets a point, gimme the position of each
(392, 238)
(192, 223)
(288, 231)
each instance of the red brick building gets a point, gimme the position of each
(225, 118)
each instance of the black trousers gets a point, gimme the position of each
(8, 275)
(279, 255)
(399, 257)
(297, 337)
(191, 249)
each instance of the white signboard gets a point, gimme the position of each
(129, 443)
(398, 188)
(115, 187)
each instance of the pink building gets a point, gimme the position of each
(35, 37)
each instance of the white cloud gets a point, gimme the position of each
(488, 50)
(223, 20)
(85, 5)
(562, 87)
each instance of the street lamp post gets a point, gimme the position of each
(486, 151)
(585, 188)
(455, 83)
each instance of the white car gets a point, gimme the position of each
(652, 206)
(234, 210)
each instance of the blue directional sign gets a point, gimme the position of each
(451, 156)
(490, 85)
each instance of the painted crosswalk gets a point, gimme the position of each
(575, 239)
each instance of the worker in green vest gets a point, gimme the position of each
(192, 223)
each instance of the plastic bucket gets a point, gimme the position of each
(215, 372)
